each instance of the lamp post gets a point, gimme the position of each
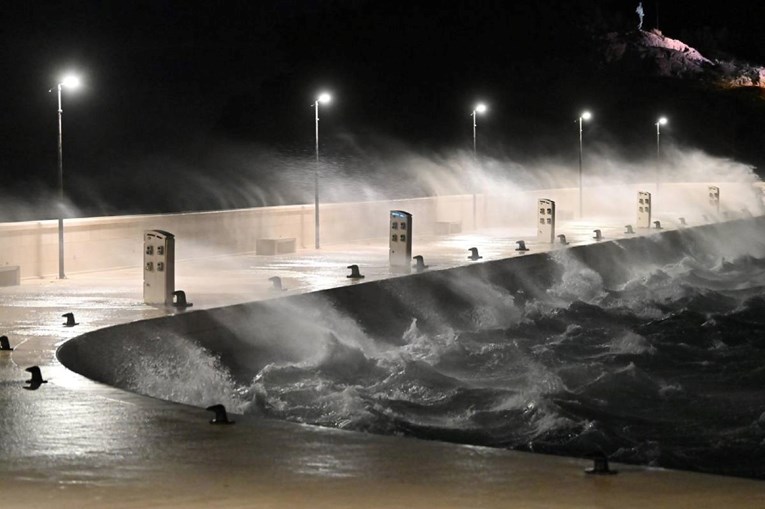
(479, 108)
(71, 82)
(323, 98)
(662, 121)
(586, 115)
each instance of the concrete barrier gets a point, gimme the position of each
(103, 243)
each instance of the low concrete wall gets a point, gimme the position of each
(101, 243)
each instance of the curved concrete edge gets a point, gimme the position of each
(256, 333)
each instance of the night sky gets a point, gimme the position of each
(178, 84)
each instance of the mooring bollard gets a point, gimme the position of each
(179, 300)
(600, 466)
(419, 265)
(69, 320)
(37, 380)
(355, 274)
(5, 344)
(221, 417)
(474, 254)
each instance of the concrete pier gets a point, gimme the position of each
(78, 443)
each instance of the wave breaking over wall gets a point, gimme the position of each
(649, 349)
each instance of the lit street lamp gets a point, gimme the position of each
(323, 98)
(479, 108)
(586, 115)
(71, 82)
(662, 121)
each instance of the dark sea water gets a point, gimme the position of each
(666, 368)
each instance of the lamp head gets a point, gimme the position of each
(586, 115)
(480, 108)
(662, 121)
(70, 81)
(324, 98)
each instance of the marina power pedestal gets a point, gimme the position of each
(546, 222)
(400, 237)
(644, 210)
(158, 267)
(714, 199)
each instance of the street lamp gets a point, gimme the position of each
(71, 82)
(479, 108)
(662, 121)
(586, 115)
(323, 98)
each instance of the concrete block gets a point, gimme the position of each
(274, 246)
(448, 227)
(10, 275)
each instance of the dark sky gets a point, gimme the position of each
(170, 79)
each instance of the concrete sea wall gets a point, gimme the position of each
(244, 338)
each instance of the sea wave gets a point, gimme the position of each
(664, 369)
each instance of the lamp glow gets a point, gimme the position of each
(480, 108)
(324, 98)
(586, 115)
(663, 121)
(71, 81)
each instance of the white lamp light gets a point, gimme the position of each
(71, 81)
